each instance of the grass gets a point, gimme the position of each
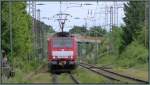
(18, 78)
(141, 74)
(21, 73)
(138, 71)
(85, 76)
(41, 78)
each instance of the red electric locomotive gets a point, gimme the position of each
(62, 52)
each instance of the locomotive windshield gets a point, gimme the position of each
(62, 42)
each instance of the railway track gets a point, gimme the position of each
(72, 77)
(112, 75)
(54, 77)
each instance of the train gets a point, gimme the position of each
(62, 52)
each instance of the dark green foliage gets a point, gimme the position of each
(116, 40)
(22, 36)
(134, 36)
(134, 20)
(125, 46)
(143, 36)
(44, 27)
(134, 54)
(97, 31)
(21, 29)
(94, 31)
(78, 30)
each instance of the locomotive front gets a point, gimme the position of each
(62, 53)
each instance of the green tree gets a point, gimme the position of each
(78, 30)
(44, 27)
(21, 32)
(97, 31)
(134, 20)
(116, 40)
(134, 54)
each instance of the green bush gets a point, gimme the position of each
(19, 76)
(106, 60)
(134, 54)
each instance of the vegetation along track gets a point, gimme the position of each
(43, 68)
(55, 78)
(112, 75)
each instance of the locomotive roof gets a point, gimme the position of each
(63, 34)
(60, 34)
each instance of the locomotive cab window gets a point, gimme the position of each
(62, 42)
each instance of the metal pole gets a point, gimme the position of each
(145, 29)
(29, 7)
(114, 13)
(39, 46)
(117, 17)
(42, 33)
(0, 34)
(35, 28)
(111, 19)
(106, 16)
(32, 12)
(97, 47)
(0, 42)
(10, 27)
(112, 16)
(111, 26)
(149, 31)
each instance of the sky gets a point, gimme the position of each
(95, 14)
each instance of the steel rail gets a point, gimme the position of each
(74, 79)
(91, 67)
(100, 73)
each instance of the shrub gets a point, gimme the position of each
(134, 54)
